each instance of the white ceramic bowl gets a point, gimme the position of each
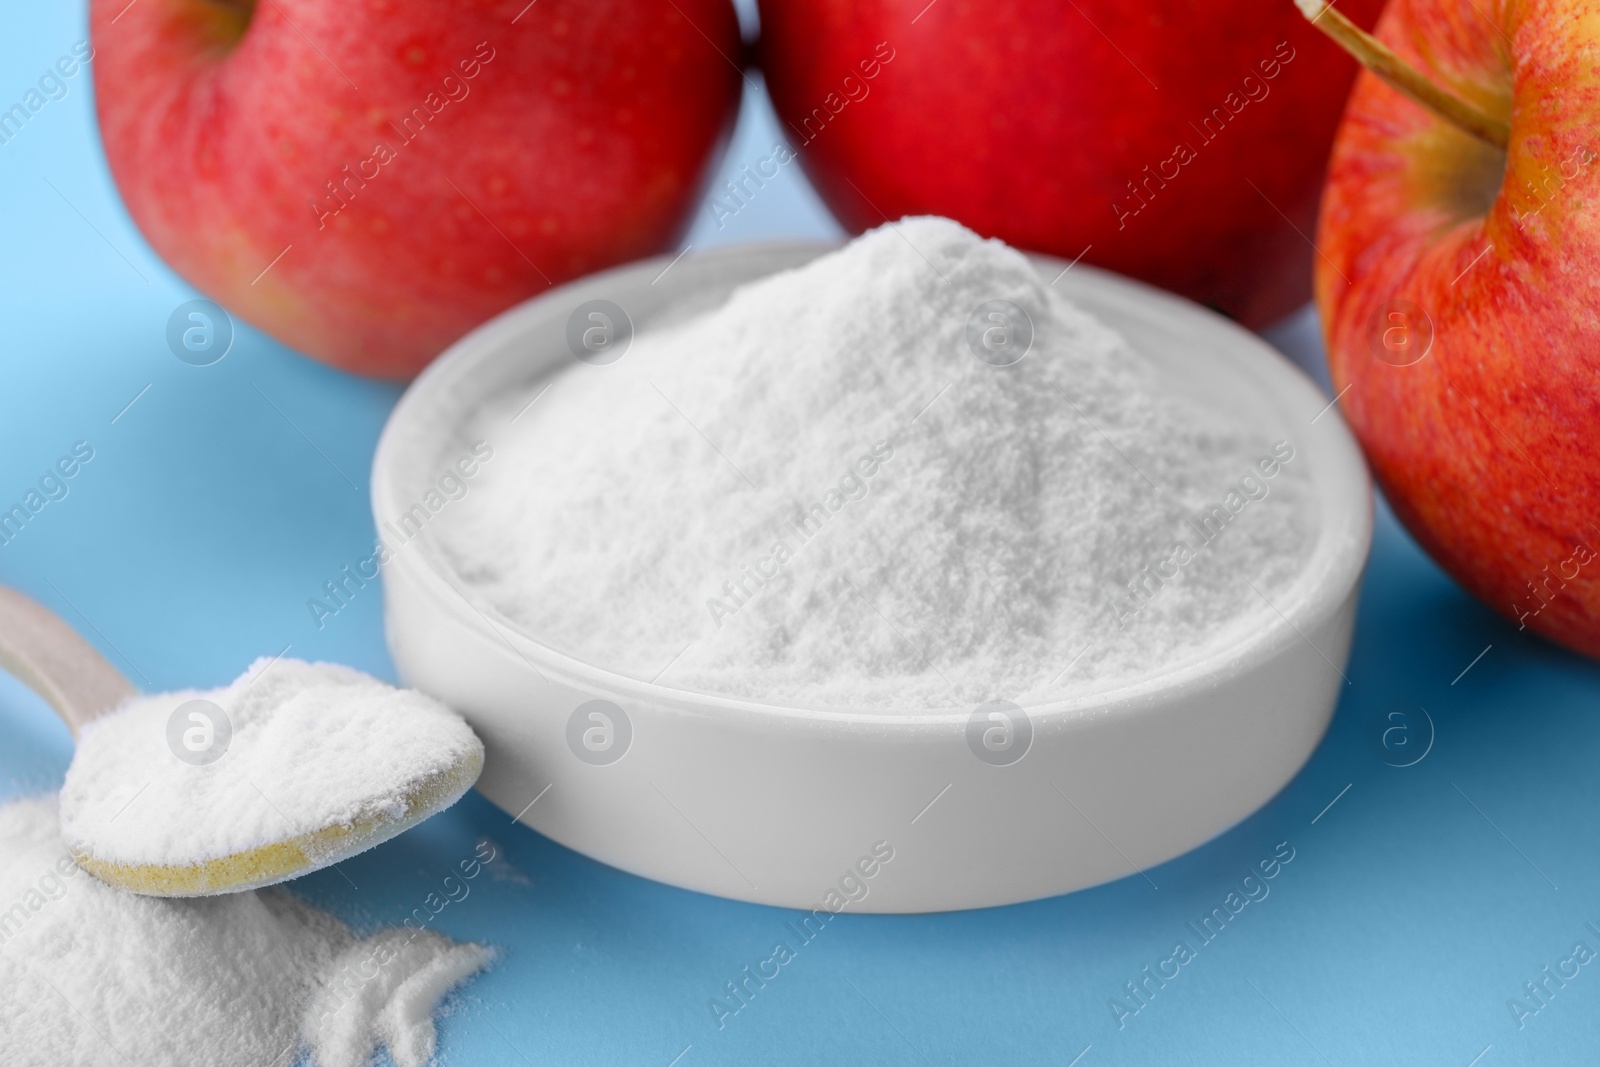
(786, 805)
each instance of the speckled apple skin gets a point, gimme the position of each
(1027, 120)
(584, 139)
(1488, 446)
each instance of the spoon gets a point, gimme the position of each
(378, 782)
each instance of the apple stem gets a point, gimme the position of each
(1402, 76)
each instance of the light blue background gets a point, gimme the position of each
(223, 498)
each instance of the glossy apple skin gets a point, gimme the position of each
(584, 139)
(1023, 120)
(1488, 446)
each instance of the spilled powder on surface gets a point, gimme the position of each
(97, 977)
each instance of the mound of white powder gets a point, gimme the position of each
(819, 494)
(288, 748)
(95, 976)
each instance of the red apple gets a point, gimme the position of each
(367, 180)
(1458, 285)
(1180, 141)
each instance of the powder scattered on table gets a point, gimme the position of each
(828, 492)
(98, 977)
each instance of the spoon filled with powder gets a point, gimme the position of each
(292, 767)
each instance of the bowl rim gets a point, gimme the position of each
(1329, 575)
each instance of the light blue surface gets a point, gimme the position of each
(1415, 905)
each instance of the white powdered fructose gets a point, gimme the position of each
(312, 745)
(818, 494)
(97, 977)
